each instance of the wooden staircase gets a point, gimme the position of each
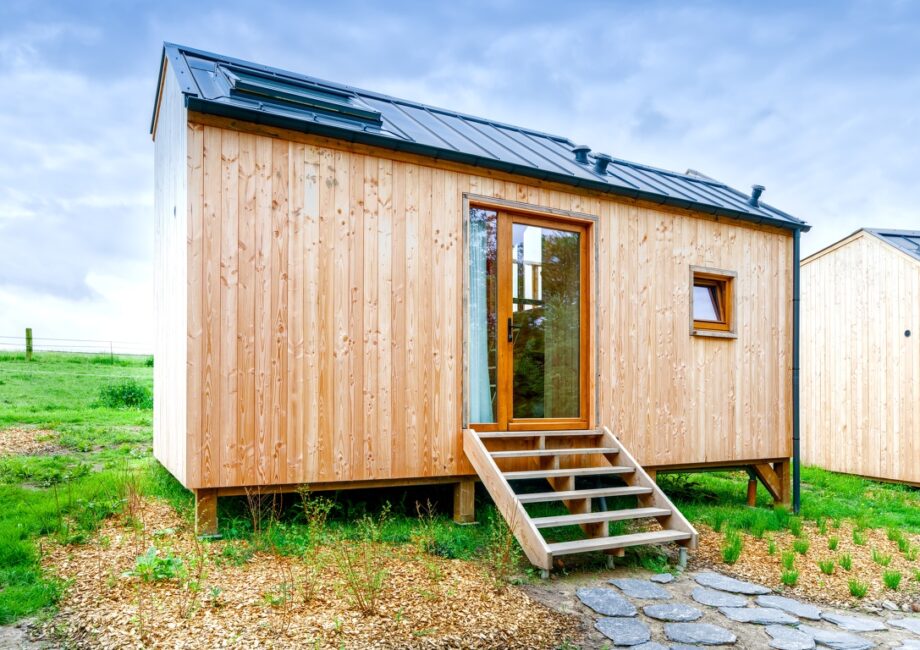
(560, 457)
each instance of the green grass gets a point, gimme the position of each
(858, 589)
(892, 579)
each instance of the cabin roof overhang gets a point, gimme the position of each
(211, 84)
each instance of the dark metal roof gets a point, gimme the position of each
(247, 91)
(905, 240)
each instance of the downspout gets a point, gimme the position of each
(796, 452)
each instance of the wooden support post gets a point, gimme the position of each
(775, 478)
(28, 344)
(464, 501)
(785, 481)
(206, 512)
(652, 474)
(752, 492)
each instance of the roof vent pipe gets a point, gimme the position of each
(756, 191)
(601, 161)
(581, 153)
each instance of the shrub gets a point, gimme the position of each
(502, 553)
(148, 362)
(790, 577)
(859, 537)
(827, 567)
(845, 562)
(801, 546)
(892, 579)
(832, 544)
(788, 561)
(153, 567)
(732, 546)
(363, 577)
(858, 589)
(128, 393)
(880, 558)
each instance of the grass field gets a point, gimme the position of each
(98, 416)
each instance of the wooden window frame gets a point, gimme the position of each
(724, 283)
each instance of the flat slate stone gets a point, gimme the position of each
(788, 638)
(675, 612)
(662, 578)
(623, 631)
(651, 645)
(759, 615)
(853, 623)
(836, 640)
(699, 634)
(636, 588)
(909, 624)
(715, 598)
(724, 583)
(794, 607)
(606, 601)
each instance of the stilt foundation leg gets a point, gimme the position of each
(752, 492)
(544, 574)
(464, 501)
(206, 512)
(682, 557)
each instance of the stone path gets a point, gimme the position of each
(708, 609)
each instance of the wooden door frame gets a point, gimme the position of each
(545, 217)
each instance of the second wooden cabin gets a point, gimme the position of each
(354, 290)
(861, 355)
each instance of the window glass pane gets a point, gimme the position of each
(546, 306)
(705, 306)
(483, 315)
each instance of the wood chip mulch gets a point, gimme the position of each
(426, 602)
(758, 565)
(19, 441)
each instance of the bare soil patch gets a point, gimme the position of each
(426, 601)
(757, 564)
(19, 441)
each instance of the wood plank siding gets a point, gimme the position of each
(860, 373)
(170, 409)
(325, 329)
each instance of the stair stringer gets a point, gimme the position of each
(657, 498)
(520, 523)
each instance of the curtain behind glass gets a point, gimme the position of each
(480, 390)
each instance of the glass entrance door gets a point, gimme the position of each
(528, 343)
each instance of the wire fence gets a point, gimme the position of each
(22, 343)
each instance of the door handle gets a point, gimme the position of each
(511, 328)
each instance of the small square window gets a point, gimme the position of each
(711, 302)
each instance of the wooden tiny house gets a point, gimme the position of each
(861, 356)
(355, 290)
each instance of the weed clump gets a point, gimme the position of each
(732, 546)
(845, 562)
(880, 558)
(790, 577)
(126, 394)
(801, 546)
(832, 543)
(827, 567)
(892, 579)
(858, 589)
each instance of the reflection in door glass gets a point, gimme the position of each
(546, 296)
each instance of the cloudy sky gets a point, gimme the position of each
(820, 104)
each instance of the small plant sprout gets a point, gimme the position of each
(912, 553)
(822, 525)
(904, 545)
(880, 558)
(845, 562)
(895, 535)
(827, 567)
(771, 547)
(801, 546)
(795, 526)
(732, 546)
(788, 561)
(790, 577)
(859, 537)
(892, 579)
(917, 575)
(832, 543)
(858, 589)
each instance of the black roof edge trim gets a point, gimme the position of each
(171, 53)
(362, 137)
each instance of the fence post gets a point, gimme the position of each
(28, 344)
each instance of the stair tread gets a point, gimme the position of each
(572, 471)
(538, 497)
(492, 435)
(597, 517)
(618, 541)
(569, 451)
